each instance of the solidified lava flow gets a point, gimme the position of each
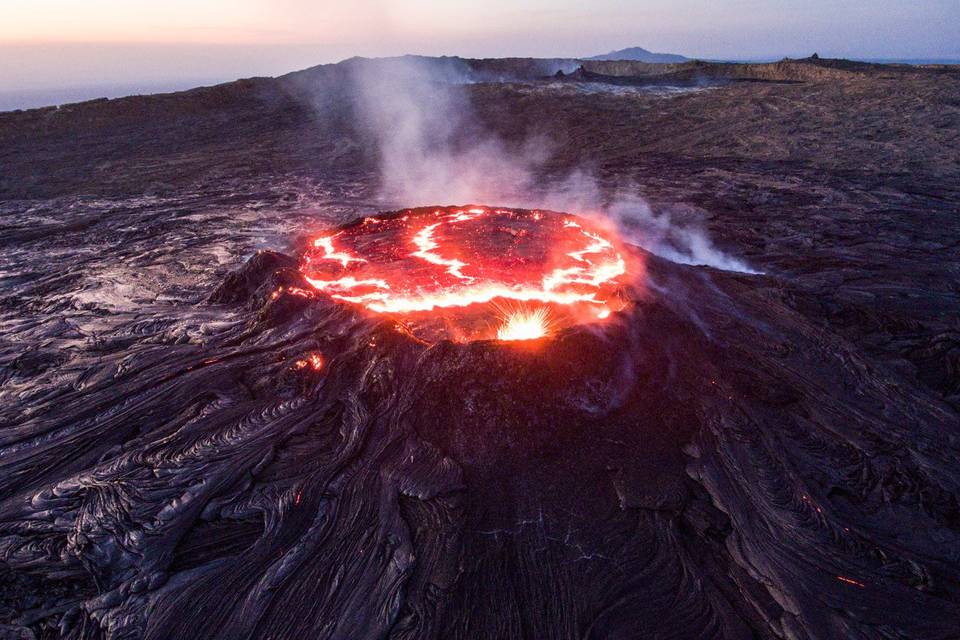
(474, 272)
(196, 443)
(710, 465)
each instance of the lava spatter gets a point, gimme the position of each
(525, 325)
(444, 270)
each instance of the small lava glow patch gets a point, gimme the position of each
(473, 273)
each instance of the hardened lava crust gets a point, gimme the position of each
(313, 464)
(197, 442)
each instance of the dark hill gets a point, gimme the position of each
(639, 54)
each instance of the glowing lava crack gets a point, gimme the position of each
(459, 272)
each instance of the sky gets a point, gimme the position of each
(51, 46)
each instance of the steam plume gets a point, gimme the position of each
(432, 150)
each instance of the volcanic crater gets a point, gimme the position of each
(475, 272)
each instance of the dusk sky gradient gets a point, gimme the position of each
(47, 44)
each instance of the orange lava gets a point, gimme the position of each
(314, 360)
(443, 271)
(524, 325)
(855, 583)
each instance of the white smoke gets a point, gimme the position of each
(676, 234)
(432, 150)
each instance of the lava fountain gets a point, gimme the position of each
(474, 273)
(524, 325)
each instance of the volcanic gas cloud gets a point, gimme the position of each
(474, 273)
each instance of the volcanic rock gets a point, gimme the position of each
(733, 454)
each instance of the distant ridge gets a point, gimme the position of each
(639, 54)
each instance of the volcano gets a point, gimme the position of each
(623, 479)
(246, 391)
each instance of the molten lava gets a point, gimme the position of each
(524, 325)
(443, 272)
